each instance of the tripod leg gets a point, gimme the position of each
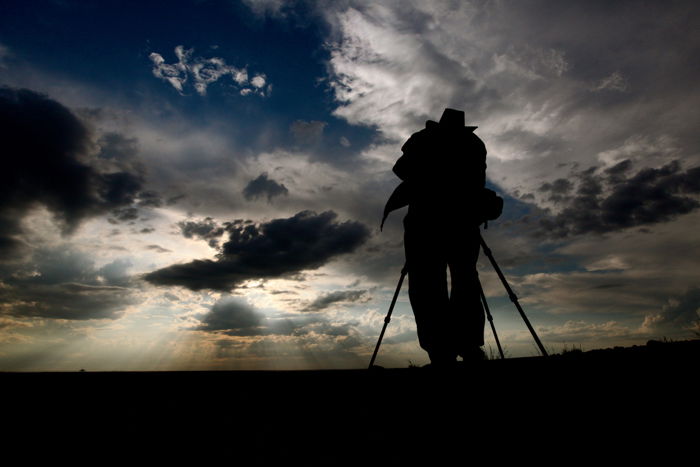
(404, 271)
(490, 318)
(511, 294)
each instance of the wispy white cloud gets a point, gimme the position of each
(258, 81)
(614, 82)
(542, 101)
(205, 71)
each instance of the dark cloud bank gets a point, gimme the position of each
(607, 200)
(279, 248)
(205, 229)
(233, 316)
(264, 187)
(45, 161)
(50, 159)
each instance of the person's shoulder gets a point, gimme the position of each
(472, 137)
(430, 128)
(417, 138)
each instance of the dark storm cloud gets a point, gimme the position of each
(558, 190)
(67, 301)
(617, 171)
(174, 199)
(205, 229)
(233, 316)
(342, 296)
(64, 284)
(264, 186)
(117, 146)
(44, 149)
(607, 201)
(124, 215)
(681, 313)
(279, 248)
(150, 199)
(560, 186)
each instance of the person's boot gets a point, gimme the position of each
(442, 360)
(473, 354)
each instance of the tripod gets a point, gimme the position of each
(511, 295)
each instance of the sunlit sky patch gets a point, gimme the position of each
(199, 184)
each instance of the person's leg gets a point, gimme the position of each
(466, 310)
(427, 291)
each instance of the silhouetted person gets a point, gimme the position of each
(443, 168)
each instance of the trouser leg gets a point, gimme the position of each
(466, 309)
(427, 290)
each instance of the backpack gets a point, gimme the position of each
(491, 206)
(412, 164)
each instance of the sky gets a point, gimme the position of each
(198, 185)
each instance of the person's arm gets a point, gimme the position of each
(397, 200)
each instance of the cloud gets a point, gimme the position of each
(115, 273)
(175, 74)
(264, 186)
(158, 249)
(67, 301)
(124, 215)
(540, 99)
(233, 316)
(258, 81)
(206, 229)
(628, 274)
(582, 331)
(332, 298)
(203, 72)
(115, 146)
(682, 313)
(614, 82)
(47, 162)
(610, 200)
(62, 283)
(277, 248)
(236, 317)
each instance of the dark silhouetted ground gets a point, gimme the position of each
(605, 406)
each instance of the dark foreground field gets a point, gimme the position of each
(608, 406)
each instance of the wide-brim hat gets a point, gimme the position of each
(452, 118)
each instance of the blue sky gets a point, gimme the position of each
(107, 45)
(194, 129)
